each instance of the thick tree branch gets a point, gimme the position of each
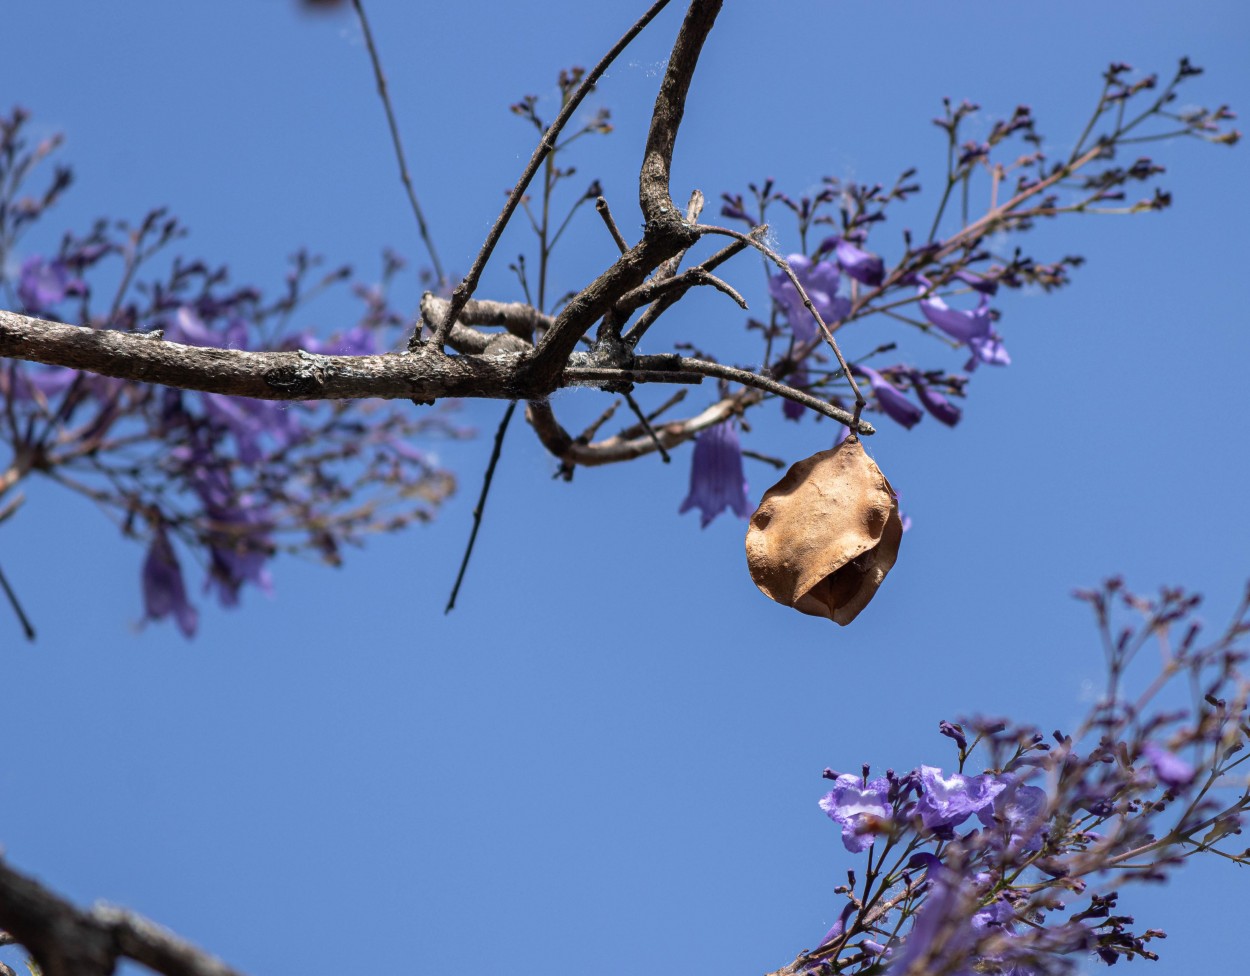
(654, 194)
(66, 941)
(497, 374)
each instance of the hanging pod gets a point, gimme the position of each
(825, 535)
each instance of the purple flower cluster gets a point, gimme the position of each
(1012, 870)
(231, 479)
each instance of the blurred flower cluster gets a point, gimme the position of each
(227, 481)
(1016, 870)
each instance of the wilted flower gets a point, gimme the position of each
(717, 481)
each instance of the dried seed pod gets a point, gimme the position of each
(826, 534)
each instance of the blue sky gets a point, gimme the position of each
(612, 749)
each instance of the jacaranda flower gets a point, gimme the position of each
(41, 284)
(820, 280)
(1020, 810)
(164, 592)
(1173, 771)
(862, 809)
(858, 263)
(891, 400)
(973, 328)
(950, 800)
(717, 481)
(940, 407)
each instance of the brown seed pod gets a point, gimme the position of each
(825, 535)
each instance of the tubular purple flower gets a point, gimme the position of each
(862, 809)
(891, 400)
(820, 280)
(986, 286)
(798, 379)
(164, 591)
(856, 262)
(717, 481)
(940, 407)
(973, 328)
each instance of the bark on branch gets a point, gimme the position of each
(67, 941)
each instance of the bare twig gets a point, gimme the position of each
(766, 458)
(747, 378)
(404, 176)
(464, 290)
(496, 450)
(27, 627)
(646, 425)
(601, 205)
(669, 299)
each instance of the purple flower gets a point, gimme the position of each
(891, 400)
(249, 420)
(190, 329)
(820, 280)
(163, 589)
(1020, 810)
(356, 341)
(973, 328)
(863, 810)
(798, 379)
(31, 382)
(716, 478)
(859, 264)
(987, 286)
(939, 940)
(940, 407)
(43, 284)
(1173, 771)
(950, 800)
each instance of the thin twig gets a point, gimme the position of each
(669, 299)
(27, 627)
(404, 176)
(587, 434)
(464, 290)
(601, 205)
(766, 458)
(646, 425)
(481, 502)
(752, 241)
(747, 378)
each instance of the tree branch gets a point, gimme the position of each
(464, 290)
(66, 941)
